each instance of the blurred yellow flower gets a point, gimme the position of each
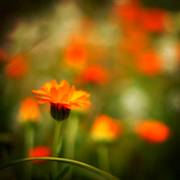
(29, 110)
(105, 129)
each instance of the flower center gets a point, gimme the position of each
(59, 112)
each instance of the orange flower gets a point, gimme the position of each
(153, 20)
(94, 74)
(177, 49)
(62, 98)
(17, 67)
(153, 131)
(29, 110)
(132, 35)
(39, 151)
(105, 129)
(128, 12)
(149, 63)
(76, 53)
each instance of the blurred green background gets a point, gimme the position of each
(135, 42)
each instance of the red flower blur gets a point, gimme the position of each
(17, 67)
(153, 20)
(39, 151)
(128, 13)
(153, 131)
(149, 63)
(94, 74)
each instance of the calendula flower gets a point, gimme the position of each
(39, 151)
(105, 129)
(17, 67)
(29, 110)
(62, 98)
(153, 131)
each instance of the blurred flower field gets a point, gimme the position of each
(91, 82)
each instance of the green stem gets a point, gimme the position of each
(29, 138)
(71, 134)
(103, 157)
(29, 142)
(88, 167)
(56, 145)
(57, 141)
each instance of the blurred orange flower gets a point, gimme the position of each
(39, 151)
(105, 129)
(153, 131)
(149, 63)
(17, 67)
(94, 74)
(128, 12)
(153, 20)
(29, 110)
(131, 35)
(62, 98)
(177, 49)
(76, 53)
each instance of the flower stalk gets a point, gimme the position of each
(57, 140)
(71, 135)
(103, 157)
(56, 145)
(29, 142)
